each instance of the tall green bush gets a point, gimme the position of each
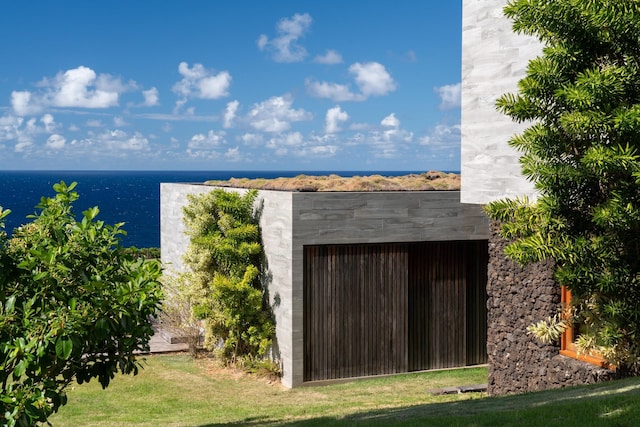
(73, 306)
(582, 152)
(224, 258)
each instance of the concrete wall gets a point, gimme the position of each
(493, 60)
(373, 217)
(290, 221)
(276, 228)
(173, 241)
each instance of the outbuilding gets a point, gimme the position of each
(364, 283)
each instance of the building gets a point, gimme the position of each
(364, 283)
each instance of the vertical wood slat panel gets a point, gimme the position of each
(361, 301)
(387, 308)
(447, 288)
(477, 313)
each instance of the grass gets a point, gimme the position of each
(175, 391)
(427, 181)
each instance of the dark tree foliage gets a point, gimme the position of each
(74, 305)
(582, 98)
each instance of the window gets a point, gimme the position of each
(567, 342)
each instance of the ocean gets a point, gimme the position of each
(132, 197)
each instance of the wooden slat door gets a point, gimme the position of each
(375, 309)
(447, 304)
(355, 321)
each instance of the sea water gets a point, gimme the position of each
(132, 197)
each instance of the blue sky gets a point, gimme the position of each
(233, 85)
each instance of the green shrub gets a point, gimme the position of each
(73, 306)
(581, 99)
(145, 253)
(224, 258)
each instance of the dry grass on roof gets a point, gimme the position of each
(428, 181)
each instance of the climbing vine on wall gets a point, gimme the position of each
(224, 257)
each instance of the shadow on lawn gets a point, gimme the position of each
(589, 401)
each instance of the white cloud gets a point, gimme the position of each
(209, 141)
(187, 116)
(23, 146)
(390, 121)
(137, 142)
(285, 46)
(56, 142)
(93, 147)
(442, 142)
(359, 126)
(10, 127)
(330, 57)
(334, 91)
(48, 122)
(94, 123)
(115, 141)
(32, 126)
(206, 147)
(294, 143)
(82, 87)
(443, 137)
(233, 154)
(371, 78)
(334, 117)
(388, 141)
(77, 87)
(282, 143)
(24, 133)
(22, 105)
(198, 82)
(319, 151)
(252, 138)
(230, 114)
(111, 143)
(119, 122)
(450, 96)
(275, 114)
(151, 97)
(262, 41)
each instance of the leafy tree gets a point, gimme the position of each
(73, 306)
(224, 258)
(582, 96)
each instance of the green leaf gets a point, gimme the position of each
(102, 328)
(9, 306)
(91, 213)
(64, 346)
(40, 275)
(19, 369)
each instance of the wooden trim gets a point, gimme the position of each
(567, 341)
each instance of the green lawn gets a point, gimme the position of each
(175, 391)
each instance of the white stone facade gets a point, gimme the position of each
(493, 60)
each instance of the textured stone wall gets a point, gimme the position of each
(518, 297)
